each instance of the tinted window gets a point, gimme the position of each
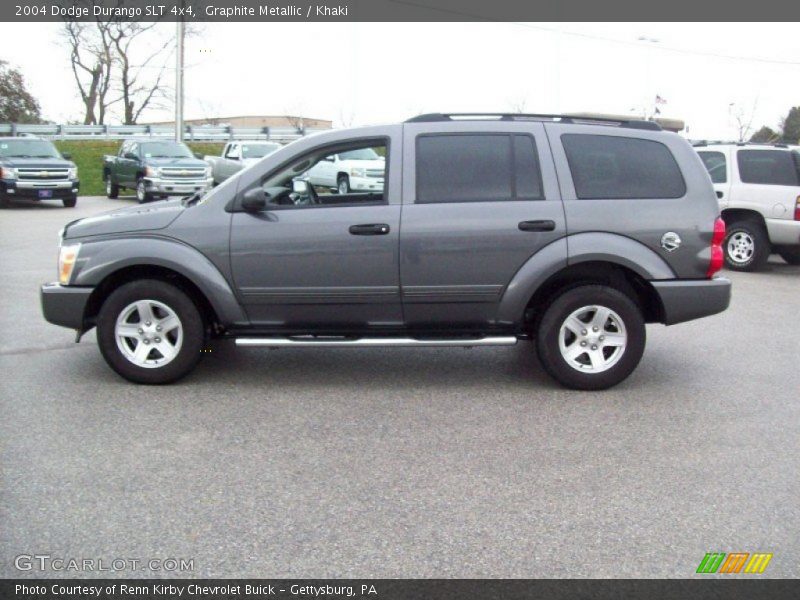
(605, 166)
(526, 169)
(771, 167)
(476, 168)
(716, 164)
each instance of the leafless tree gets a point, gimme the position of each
(91, 63)
(141, 55)
(517, 105)
(742, 119)
(346, 118)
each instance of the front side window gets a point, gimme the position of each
(477, 168)
(768, 167)
(349, 182)
(616, 167)
(716, 164)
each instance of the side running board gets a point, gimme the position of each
(312, 342)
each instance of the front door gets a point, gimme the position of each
(477, 205)
(326, 264)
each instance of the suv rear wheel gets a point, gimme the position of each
(591, 337)
(746, 246)
(150, 332)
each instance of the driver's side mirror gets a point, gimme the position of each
(130, 156)
(300, 186)
(254, 200)
(66, 156)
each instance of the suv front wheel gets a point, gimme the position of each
(747, 246)
(150, 332)
(591, 337)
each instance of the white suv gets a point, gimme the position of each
(758, 187)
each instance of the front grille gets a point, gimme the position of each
(375, 173)
(182, 174)
(28, 174)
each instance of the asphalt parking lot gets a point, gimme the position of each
(399, 462)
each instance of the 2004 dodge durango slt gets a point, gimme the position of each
(488, 229)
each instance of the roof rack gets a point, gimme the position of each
(699, 143)
(572, 119)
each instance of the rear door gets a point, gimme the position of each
(479, 200)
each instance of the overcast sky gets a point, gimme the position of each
(364, 73)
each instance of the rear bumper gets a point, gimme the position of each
(684, 300)
(64, 305)
(783, 232)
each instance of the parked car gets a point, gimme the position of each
(34, 169)
(571, 233)
(758, 187)
(155, 168)
(237, 156)
(360, 170)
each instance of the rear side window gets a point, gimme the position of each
(477, 168)
(716, 164)
(611, 167)
(769, 167)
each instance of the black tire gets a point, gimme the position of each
(70, 201)
(549, 331)
(791, 255)
(142, 195)
(747, 230)
(343, 184)
(112, 189)
(185, 309)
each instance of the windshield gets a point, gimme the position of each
(360, 154)
(28, 149)
(165, 150)
(258, 150)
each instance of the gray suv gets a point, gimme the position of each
(488, 229)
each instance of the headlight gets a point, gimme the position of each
(152, 172)
(358, 172)
(67, 256)
(72, 173)
(208, 171)
(8, 173)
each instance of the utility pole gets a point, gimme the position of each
(179, 82)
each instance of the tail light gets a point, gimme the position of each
(717, 258)
(797, 210)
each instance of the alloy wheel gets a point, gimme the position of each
(592, 339)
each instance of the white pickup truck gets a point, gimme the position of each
(360, 170)
(237, 156)
(758, 187)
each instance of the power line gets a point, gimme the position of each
(774, 61)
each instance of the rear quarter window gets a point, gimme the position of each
(716, 164)
(768, 167)
(615, 167)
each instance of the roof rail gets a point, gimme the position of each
(572, 119)
(698, 143)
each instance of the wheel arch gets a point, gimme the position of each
(731, 215)
(117, 262)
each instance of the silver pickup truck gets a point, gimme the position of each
(237, 156)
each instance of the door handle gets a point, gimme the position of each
(543, 225)
(720, 194)
(370, 229)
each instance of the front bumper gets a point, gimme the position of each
(687, 299)
(366, 184)
(172, 187)
(65, 305)
(39, 190)
(783, 232)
